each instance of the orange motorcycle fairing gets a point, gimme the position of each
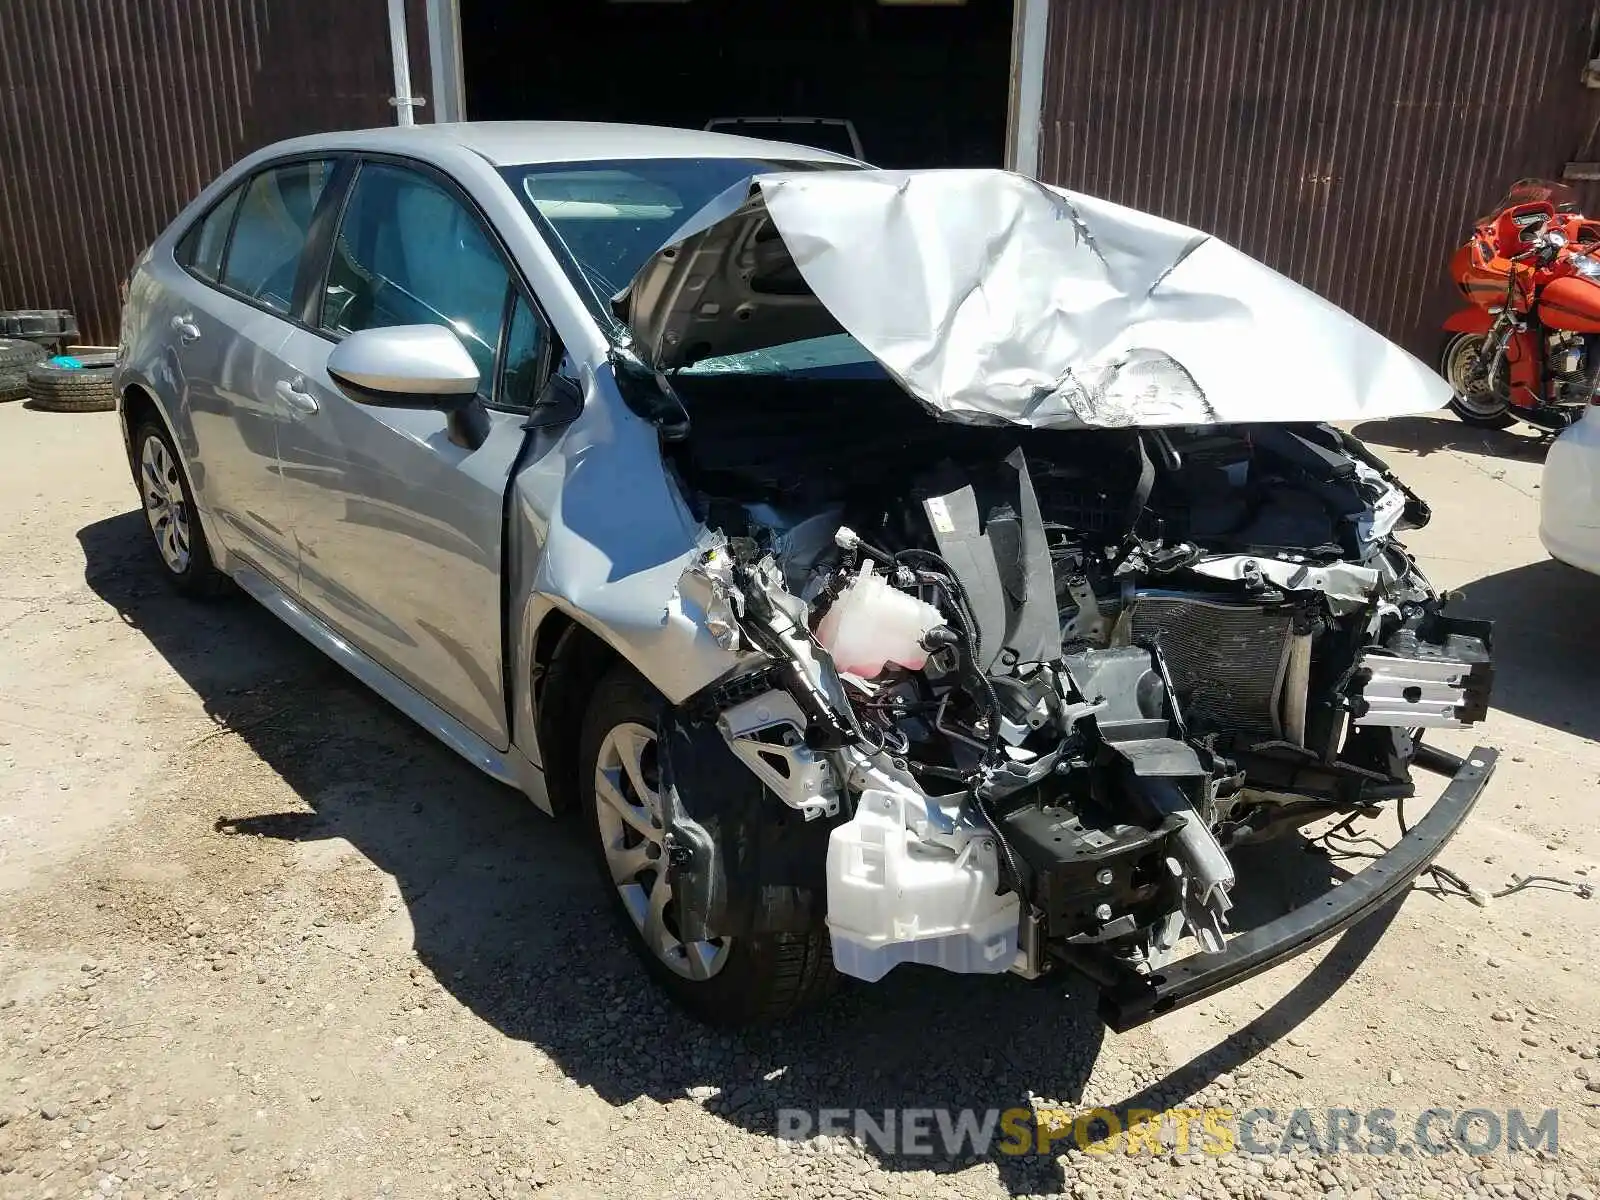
(1571, 303)
(1484, 275)
(1469, 320)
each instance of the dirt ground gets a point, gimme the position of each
(259, 935)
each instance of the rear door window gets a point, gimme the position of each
(408, 252)
(202, 247)
(269, 235)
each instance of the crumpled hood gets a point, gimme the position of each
(993, 298)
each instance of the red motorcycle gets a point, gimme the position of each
(1527, 347)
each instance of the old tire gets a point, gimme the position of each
(16, 353)
(175, 532)
(13, 385)
(85, 388)
(732, 982)
(1486, 411)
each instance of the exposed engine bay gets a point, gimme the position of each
(1019, 692)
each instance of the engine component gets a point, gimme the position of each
(1433, 673)
(1410, 692)
(1296, 685)
(768, 733)
(991, 533)
(1094, 878)
(872, 624)
(895, 896)
(990, 801)
(1228, 661)
(1158, 777)
(1198, 859)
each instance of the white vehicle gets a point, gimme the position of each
(1569, 497)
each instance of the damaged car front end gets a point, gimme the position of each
(1028, 576)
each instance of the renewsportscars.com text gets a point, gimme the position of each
(1215, 1131)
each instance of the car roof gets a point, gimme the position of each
(515, 143)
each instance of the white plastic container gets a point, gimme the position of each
(893, 900)
(872, 624)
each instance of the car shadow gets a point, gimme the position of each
(508, 913)
(1546, 641)
(1430, 435)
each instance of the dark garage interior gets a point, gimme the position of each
(925, 84)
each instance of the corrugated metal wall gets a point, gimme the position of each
(1347, 143)
(115, 113)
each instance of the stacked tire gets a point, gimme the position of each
(56, 387)
(53, 328)
(16, 356)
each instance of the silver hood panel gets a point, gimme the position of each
(993, 298)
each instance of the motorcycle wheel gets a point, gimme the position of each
(1487, 410)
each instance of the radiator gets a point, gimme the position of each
(1227, 660)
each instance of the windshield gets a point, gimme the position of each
(1533, 191)
(608, 218)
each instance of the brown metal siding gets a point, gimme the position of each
(1348, 143)
(115, 113)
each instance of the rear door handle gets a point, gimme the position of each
(289, 391)
(185, 328)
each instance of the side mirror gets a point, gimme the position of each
(413, 366)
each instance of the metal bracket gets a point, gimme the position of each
(790, 769)
(1414, 693)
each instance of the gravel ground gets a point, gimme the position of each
(258, 935)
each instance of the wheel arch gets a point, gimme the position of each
(569, 659)
(137, 402)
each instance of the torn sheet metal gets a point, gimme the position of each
(993, 298)
(619, 552)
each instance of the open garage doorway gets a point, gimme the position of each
(922, 84)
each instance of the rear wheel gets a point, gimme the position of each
(175, 532)
(1476, 406)
(726, 981)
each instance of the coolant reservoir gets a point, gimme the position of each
(872, 623)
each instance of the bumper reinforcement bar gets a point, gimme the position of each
(1133, 1000)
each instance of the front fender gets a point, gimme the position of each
(602, 535)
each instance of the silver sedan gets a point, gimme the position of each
(890, 567)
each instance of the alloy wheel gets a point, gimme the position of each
(628, 809)
(164, 505)
(1460, 358)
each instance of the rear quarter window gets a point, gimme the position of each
(201, 248)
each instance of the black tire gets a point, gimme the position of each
(13, 385)
(199, 577)
(47, 326)
(16, 353)
(85, 388)
(763, 978)
(1483, 415)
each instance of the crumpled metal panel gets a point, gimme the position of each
(993, 298)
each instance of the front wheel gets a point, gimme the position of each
(1480, 407)
(727, 981)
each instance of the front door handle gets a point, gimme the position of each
(185, 328)
(289, 391)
